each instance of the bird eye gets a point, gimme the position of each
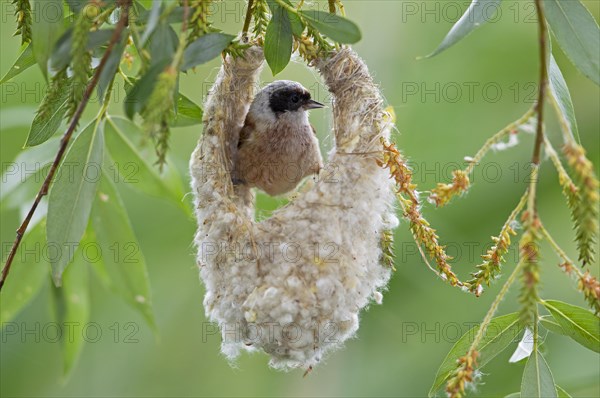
(295, 98)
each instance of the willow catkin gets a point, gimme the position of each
(293, 285)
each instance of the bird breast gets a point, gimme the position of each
(276, 158)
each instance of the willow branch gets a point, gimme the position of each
(494, 307)
(123, 21)
(559, 251)
(248, 19)
(539, 107)
(178, 57)
(543, 37)
(186, 16)
(500, 135)
(332, 6)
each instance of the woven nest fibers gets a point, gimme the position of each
(293, 285)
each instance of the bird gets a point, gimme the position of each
(277, 146)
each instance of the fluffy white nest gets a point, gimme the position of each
(293, 285)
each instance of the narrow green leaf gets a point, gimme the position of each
(205, 48)
(163, 44)
(176, 97)
(478, 13)
(25, 61)
(28, 164)
(577, 34)
(27, 276)
(278, 40)
(562, 393)
(72, 194)
(560, 93)
(75, 300)
(22, 198)
(22, 177)
(550, 324)
(188, 113)
(112, 64)
(47, 27)
(513, 395)
(51, 112)
(296, 24)
(295, 21)
(61, 55)
(578, 323)
(123, 262)
(43, 128)
(122, 138)
(537, 378)
(138, 95)
(500, 333)
(335, 27)
(152, 20)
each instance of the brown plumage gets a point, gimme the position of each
(277, 146)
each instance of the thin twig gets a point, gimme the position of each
(443, 193)
(66, 138)
(494, 307)
(186, 16)
(332, 6)
(496, 138)
(539, 108)
(247, 20)
(565, 127)
(562, 172)
(535, 158)
(341, 7)
(543, 37)
(178, 57)
(558, 250)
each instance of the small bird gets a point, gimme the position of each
(277, 147)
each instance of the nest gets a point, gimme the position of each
(293, 285)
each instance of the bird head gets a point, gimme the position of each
(288, 96)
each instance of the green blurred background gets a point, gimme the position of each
(446, 107)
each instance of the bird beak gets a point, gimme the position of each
(311, 104)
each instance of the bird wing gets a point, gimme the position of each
(246, 131)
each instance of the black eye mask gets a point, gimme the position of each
(288, 100)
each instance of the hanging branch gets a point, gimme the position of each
(528, 246)
(332, 6)
(247, 20)
(443, 193)
(529, 295)
(543, 83)
(123, 21)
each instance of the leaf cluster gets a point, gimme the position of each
(80, 49)
(578, 35)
